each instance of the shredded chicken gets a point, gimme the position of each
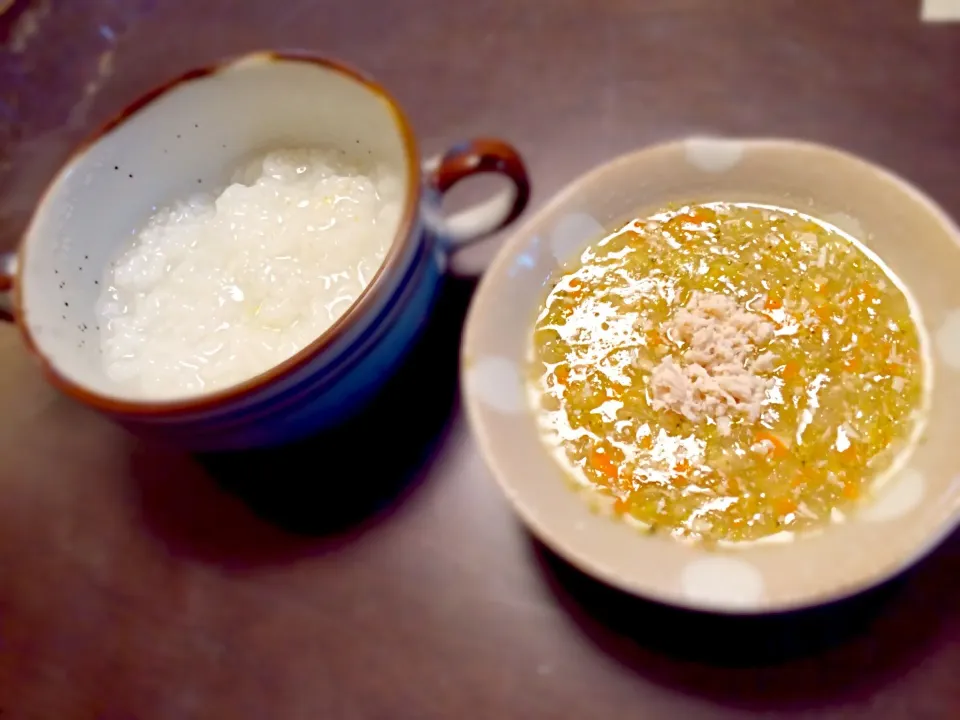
(764, 447)
(716, 375)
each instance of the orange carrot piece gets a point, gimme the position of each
(791, 370)
(702, 215)
(603, 464)
(773, 303)
(680, 481)
(784, 506)
(780, 448)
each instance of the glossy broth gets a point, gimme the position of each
(841, 372)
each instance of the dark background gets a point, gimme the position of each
(336, 581)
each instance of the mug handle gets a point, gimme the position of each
(8, 268)
(482, 155)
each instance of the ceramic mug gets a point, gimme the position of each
(193, 131)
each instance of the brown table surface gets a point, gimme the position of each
(137, 582)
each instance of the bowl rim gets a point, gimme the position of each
(564, 545)
(375, 291)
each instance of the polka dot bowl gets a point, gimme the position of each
(896, 525)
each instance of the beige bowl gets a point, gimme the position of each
(903, 520)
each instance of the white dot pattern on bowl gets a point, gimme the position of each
(713, 155)
(947, 340)
(527, 260)
(495, 381)
(8, 264)
(953, 492)
(722, 583)
(572, 234)
(896, 498)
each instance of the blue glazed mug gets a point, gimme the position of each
(197, 127)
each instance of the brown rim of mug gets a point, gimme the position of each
(367, 298)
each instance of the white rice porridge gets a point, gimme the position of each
(215, 290)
